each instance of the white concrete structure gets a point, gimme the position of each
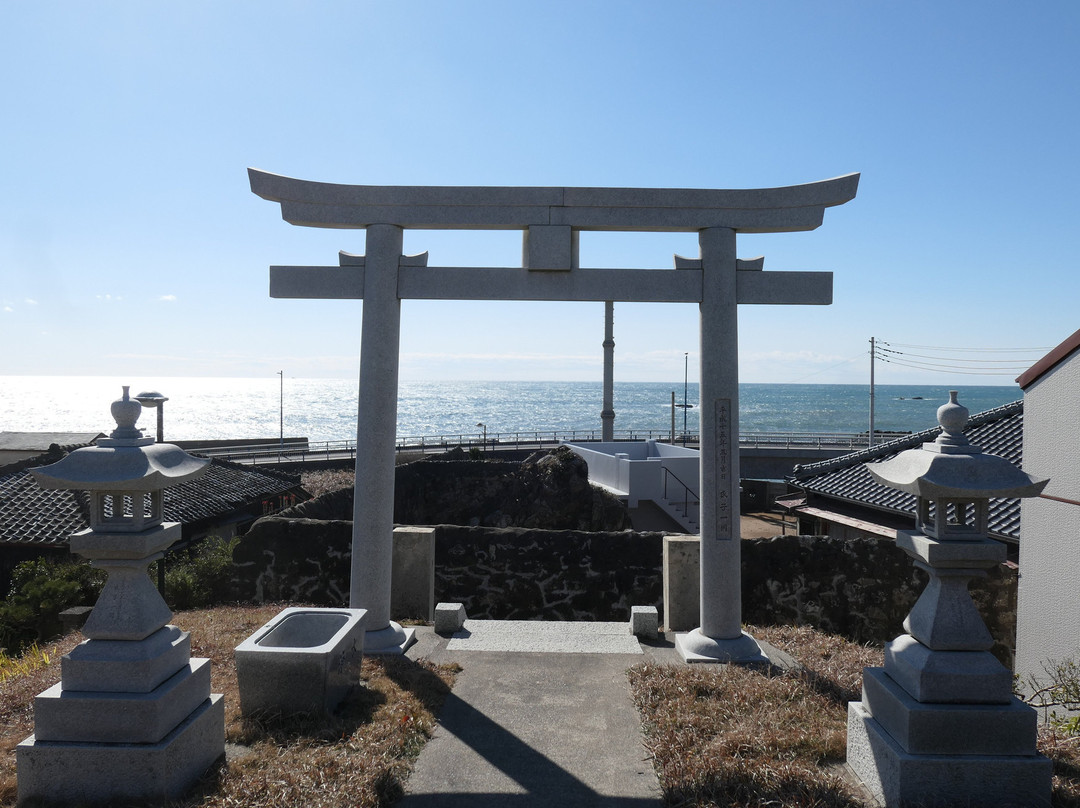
(938, 724)
(133, 717)
(646, 470)
(550, 220)
(1048, 630)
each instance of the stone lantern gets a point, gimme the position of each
(132, 717)
(939, 724)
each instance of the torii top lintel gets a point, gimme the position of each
(761, 210)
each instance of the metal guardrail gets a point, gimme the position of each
(814, 440)
(346, 449)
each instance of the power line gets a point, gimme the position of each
(924, 356)
(967, 350)
(954, 369)
(944, 363)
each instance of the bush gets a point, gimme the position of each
(199, 576)
(40, 590)
(1058, 687)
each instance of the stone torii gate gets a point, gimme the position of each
(551, 219)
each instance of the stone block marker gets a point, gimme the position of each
(412, 578)
(682, 582)
(644, 622)
(449, 617)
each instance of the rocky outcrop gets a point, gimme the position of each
(548, 491)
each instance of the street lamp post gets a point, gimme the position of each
(484, 427)
(281, 409)
(685, 406)
(157, 401)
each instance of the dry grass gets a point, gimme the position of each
(731, 736)
(728, 736)
(719, 735)
(359, 757)
(1064, 750)
(324, 481)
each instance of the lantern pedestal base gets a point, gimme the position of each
(947, 677)
(899, 779)
(95, 773)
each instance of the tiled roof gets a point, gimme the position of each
(1049, 362)
(41, 441)
(30, 514)
(999, 431)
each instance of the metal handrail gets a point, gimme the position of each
(687, 491)
(346, 449)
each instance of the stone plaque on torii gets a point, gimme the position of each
(551, 219)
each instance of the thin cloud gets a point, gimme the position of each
(811, 357)
(167, 298)
(30, 301)
(501, 357)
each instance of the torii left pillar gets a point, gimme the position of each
(376, 431)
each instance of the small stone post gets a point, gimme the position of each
(939, 725)
(132, 718)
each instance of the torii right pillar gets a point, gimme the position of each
(720, 637)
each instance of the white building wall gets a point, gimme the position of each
(1048, 609)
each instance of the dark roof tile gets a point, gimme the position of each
(30, 514)
(999, 431)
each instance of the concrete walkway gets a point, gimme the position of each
(535, 728)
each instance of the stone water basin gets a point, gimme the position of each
(304, 660)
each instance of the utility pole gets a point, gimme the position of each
(873, 355)
(281, 409)
(607, 414)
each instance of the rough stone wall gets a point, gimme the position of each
(520, 574)
(859, 588)
(302, 560)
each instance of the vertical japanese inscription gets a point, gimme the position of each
(724, 519)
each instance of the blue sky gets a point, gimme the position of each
(130, 243)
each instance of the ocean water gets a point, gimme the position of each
(325, 409)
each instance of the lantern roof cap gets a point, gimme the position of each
(952, 468)
(125, 461)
